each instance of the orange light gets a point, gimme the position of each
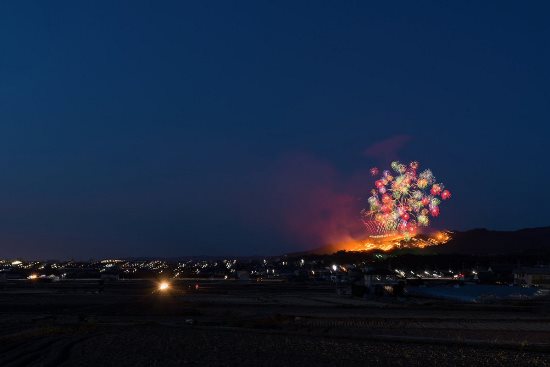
(164, 286)
(395, 241)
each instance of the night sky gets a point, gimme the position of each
(241, 128)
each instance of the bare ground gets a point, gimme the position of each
(233, 324)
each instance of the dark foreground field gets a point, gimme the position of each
(259, 324)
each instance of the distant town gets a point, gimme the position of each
(357, 274)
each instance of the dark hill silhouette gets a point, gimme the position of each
(486, 242)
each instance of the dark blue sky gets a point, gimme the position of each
(174, 128)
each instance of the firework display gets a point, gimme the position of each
(403, 199)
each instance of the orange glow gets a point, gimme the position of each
(164, 286)
(396, 241)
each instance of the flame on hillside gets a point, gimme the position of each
(395, 241)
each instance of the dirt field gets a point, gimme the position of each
(129, 323)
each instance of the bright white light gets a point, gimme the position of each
(163, 286)
(334, 267)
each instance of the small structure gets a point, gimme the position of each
(538, 276)
(382, 281)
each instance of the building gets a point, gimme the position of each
(538, 276)
(382, 281)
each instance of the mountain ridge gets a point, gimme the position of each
(482, 241)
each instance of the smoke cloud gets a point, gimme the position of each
(320, 206)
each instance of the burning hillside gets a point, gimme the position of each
(390, 242)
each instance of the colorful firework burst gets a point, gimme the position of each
(403, 202)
